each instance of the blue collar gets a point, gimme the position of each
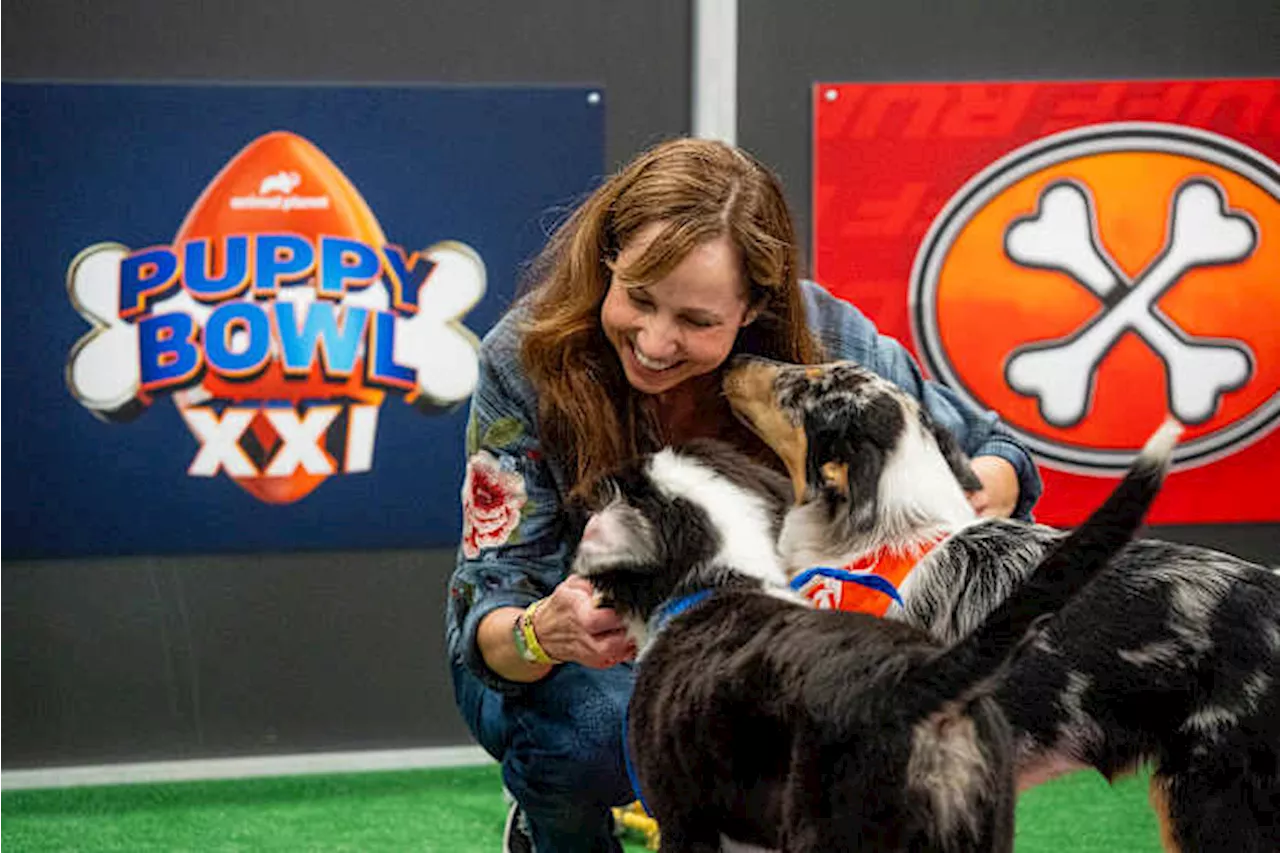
(673, 607)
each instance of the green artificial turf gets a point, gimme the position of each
(452, 811)
(1082, 813)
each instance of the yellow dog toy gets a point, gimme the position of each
(635, 817)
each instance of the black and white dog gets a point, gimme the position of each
(762, 720)
(1171, 658)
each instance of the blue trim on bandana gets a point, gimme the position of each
(871, 581)
(669, 610)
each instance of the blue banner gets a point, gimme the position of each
(245, 318)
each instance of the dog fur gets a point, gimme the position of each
(1171, 658)
(757, 719)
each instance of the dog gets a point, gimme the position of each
(1170, 659)
(758, 719)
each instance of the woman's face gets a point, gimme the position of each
(681, 326)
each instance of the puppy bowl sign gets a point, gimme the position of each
(247, 318)
(1082, 258)
(277, 320)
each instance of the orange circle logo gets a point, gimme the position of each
(1092, 282)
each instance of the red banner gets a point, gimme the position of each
(1083, 258)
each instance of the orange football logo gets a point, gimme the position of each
(1093, 281)
(278, 321)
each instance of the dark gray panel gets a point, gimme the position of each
(639, 52)
(1257, 542)
(148, 658)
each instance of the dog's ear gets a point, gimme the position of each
(956, 459)
(849, 442)
(828, 449)
(835, 476)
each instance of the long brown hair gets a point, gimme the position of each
(590, 417)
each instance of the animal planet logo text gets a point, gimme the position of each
(1134, 266)
(276, 192)
(278, 319)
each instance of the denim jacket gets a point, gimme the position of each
(516, 540)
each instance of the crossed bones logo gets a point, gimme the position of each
(1062, 235)
(1184, 212)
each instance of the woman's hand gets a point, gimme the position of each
(999, 494)
(571, 627)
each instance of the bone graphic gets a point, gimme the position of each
(102, 370)
(1061, 236)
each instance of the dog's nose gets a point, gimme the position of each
(750, 370)
(749, 381)
(745, 359)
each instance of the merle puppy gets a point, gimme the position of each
(761, 720)
(1170, 658)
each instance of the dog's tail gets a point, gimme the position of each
(1065, 570)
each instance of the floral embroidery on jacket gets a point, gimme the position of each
(493, 502)
(500, 433)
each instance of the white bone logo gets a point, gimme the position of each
(281, 182)
(1159, 242)
(1062, 236)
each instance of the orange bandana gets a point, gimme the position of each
(869, 584)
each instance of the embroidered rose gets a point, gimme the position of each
(492, 500)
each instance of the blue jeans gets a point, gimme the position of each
(560, 745)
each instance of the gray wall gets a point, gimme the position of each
(163, 658)
(151, 658)
(638, 51)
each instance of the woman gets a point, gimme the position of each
(684, 257)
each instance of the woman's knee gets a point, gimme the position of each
(570, 736)
(481, 709)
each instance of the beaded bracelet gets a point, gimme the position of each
(526, 640)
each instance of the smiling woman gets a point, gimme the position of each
(683, 258)
(686, 255)
(682, 325)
